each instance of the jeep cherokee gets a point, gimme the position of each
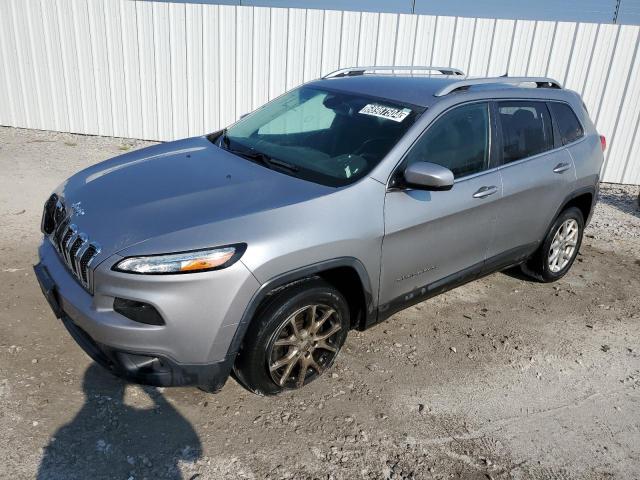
(257, 248)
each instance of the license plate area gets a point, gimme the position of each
(49, 289)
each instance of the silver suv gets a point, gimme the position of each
(257, 248)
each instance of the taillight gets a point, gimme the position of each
(603, 142)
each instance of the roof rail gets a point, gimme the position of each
(541, 82)
(356, 71)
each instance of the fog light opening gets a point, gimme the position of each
(138, 311)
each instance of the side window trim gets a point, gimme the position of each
(557, 136)
(497, 157)
(392, 183)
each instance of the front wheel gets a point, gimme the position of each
(557, 253)
(294, 339)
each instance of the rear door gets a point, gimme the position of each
(434, 237)
(537, 173)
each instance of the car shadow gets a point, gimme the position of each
(108, 438)
(622, 199)
(517, 273)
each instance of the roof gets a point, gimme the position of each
(425, 90)
(415, 90)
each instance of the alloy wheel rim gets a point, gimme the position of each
(563, 246)
(304, 346)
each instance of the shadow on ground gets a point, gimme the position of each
(108, 438)
(622, 199)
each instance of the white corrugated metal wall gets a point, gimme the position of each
(162, 71)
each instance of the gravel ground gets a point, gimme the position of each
(502, 378)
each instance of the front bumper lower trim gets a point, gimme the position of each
(137, 367)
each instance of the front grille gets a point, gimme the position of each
(76, 251)
(74, 247)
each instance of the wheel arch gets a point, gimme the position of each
(583, 198)
(584, 201)
(347, 274)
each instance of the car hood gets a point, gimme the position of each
(172, 187)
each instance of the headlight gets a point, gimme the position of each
(183, 262)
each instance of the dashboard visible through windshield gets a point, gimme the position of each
(329, 137)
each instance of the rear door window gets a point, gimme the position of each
(567, 122)
(526, 129)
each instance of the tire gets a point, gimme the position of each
(553, 260)
(283, 335)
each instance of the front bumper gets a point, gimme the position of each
(150, 369)
(201, 312)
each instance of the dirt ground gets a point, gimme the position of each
(502, 378)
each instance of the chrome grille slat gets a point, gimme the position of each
(58, 234)
(73, 251)
(69, 238)
(97, 250)
(79, 253)
(89, 253)
(64, 239)
(76, 251)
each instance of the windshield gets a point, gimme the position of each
(328, 137)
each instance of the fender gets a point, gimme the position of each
(292, 276)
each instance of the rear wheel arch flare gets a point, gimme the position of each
(583, 201)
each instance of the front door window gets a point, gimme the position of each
(459, 141)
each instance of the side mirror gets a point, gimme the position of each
(428, 176)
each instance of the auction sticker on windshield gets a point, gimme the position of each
(390, 113)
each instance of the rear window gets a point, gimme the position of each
(526, 129)
(568, 124)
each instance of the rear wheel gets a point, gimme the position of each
(295, 338)
(557, 253)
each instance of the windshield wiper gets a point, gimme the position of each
(224, 138)
(282, 164)
(265, 159)
(253, 155)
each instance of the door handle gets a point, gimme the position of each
(485, 191)
(562, 167)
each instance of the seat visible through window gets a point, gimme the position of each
(526, 129)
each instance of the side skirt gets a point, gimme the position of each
(502, 261)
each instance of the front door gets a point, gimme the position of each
(436, 237)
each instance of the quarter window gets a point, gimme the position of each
(526, 129)
(459, 141)
(568, 124)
